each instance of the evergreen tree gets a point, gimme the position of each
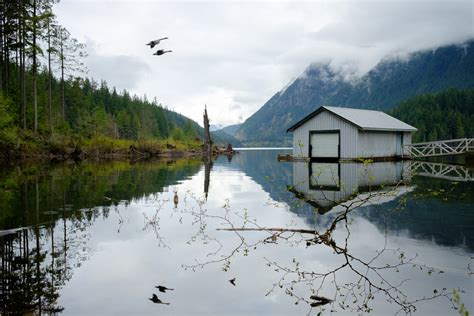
(446, 115)
(46, 99)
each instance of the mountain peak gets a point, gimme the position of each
(391, 81)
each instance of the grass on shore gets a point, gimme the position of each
(27, 144)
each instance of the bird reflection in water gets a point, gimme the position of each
(319, 300)
(176, 199)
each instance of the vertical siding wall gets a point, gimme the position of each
(381, 144)
(406, 141)
(326, 121)
(377, 144)
(406, 138)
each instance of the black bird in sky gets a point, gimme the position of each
(161, 52)
(163, 289)
(156, 300)
(156, 42)
(232, 281)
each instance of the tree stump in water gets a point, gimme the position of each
(207, 135)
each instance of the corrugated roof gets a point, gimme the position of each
(365, 119)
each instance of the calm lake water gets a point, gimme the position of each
(95, 239)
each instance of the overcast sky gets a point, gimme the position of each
(233, 56)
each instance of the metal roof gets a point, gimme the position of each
(368, 120)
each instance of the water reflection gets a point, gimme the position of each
(45, 214)
(365, 189)
(121, 231)
(207, 174)
(435, 209)
(325, 185)
(38, 261)
(364, 274)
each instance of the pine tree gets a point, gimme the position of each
(70, 58)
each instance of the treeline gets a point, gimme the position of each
(93, 109)
(40, 95)
(445, 115)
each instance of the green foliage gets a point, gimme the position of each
(76, 108)
(189, 131)
(446, 115)
(459, 306)
(5, 117)
(7, 129)
(93, 110)
(177, 134)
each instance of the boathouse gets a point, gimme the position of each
(336, 133)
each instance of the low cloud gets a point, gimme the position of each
(234, 56)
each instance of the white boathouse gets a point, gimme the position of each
(336, 133)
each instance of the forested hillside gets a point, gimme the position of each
(382, 88)
(446, 115)
(90, 109)
(45, 99)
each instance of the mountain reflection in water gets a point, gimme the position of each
(76, 236)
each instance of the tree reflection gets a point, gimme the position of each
(352, 282)
(36, 263)
(207, 174)
(45, 234)
(153, 222)
(45, 215)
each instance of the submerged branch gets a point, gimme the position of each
(273, 229)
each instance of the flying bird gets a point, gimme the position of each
(163, 289)
(156, 300)
(156, 42)
(161, 52)
(232, 281)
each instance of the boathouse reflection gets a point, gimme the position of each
(325, 185)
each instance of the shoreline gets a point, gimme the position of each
(135, 152)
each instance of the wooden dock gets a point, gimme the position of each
(440, 148)
(291, 158)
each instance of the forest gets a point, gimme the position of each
(45, 100)
(47, 104)
(445, 115)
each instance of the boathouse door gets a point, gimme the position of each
(324, 144)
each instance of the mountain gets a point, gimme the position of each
(382, 88)
(222, 138)
(215, 127)
(232, 129)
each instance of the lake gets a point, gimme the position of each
(243, 235)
